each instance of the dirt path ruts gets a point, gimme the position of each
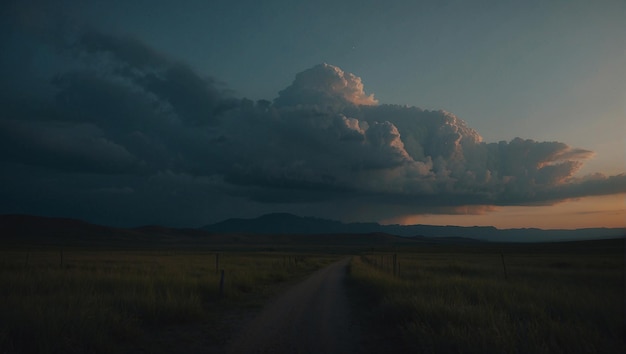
(312, 317)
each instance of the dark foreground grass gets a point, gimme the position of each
(106, 301)
(554, 301)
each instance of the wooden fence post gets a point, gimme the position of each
(395, 264)
(506, 277)
(222, 284)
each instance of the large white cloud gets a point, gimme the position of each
(327, 86)
(323, 138)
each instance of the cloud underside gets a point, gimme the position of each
(124, 125)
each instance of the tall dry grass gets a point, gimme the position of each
(102, 301)
(461, 303)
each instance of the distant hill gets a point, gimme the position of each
(282, 223)
(44, 230)
(283, 230)
(37, 231)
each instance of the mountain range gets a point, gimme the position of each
(271, 229)
(283, 223)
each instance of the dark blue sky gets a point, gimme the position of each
(131, 111)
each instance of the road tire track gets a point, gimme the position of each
(311, 317)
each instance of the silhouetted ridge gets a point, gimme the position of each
(284, 223)
(279, 228)
(278, 223)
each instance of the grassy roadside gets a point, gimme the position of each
(450, 301)
(88, 301)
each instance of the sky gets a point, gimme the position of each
(503, 113)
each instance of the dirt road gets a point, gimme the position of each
(312, 317)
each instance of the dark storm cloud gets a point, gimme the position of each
(76, 147)
(155, 109)
(193, 98)
(122, 134)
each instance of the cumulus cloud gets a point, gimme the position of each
(129, 131)
(326, 86)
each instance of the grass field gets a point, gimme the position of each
(443, 298)
(555, 299)
(87, 301)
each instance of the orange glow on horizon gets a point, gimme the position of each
(591, 212)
